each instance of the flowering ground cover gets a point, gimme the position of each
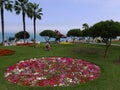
(24, 44)
(65, 42)
(52, 71)
(4, 52)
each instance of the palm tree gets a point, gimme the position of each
(7, 4)
(34, 12)
(86, 31)
(85, 26)
(20, 6)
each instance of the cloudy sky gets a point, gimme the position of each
(64, 15)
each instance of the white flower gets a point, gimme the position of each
(58, 58)
(17, 70)
(91, 75)
(80, 73)
(69, 80)
(85, 67)
(85, 75)
(41, 78)
(36, 73)
(55, 85)
(21, 61)
(64, 60)
(7, 74)
(61, 84)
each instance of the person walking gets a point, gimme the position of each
(48, 46)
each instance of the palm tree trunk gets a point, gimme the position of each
(2, 23)
(34, 30)
(24, 26)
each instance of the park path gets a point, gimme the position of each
(104, 44)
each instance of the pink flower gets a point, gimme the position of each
(52, 82)
(52, 71)
(11, 68)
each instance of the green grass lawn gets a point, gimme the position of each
(115, 42)
(109, 79)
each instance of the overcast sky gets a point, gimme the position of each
(64, 15)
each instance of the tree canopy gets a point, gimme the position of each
(74, 33)
(48, 33)
(107, 30)
(86, 30)
(22, 35)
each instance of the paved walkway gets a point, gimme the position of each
(115, 44)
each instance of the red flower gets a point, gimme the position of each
(52, 82)
(52, 71)
(4, 52)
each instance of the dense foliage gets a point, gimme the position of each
(107, 30)
(86, 30)
(21, 34)
(74, 33)
(48, 33)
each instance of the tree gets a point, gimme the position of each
(86, 31)
(11, 39)
(48, 33)
(85, 26)
(107, 30)
(21, 6)
(58, 36)
(7, 4)
(22, 35)
(34, 12)
(74, 33)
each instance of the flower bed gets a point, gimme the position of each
(4, 52)
(52, 71)
(65, 42)
(24, 44)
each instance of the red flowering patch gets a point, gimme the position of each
(116, 40)
(4, 52)
(24, 44)
(52, 71)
